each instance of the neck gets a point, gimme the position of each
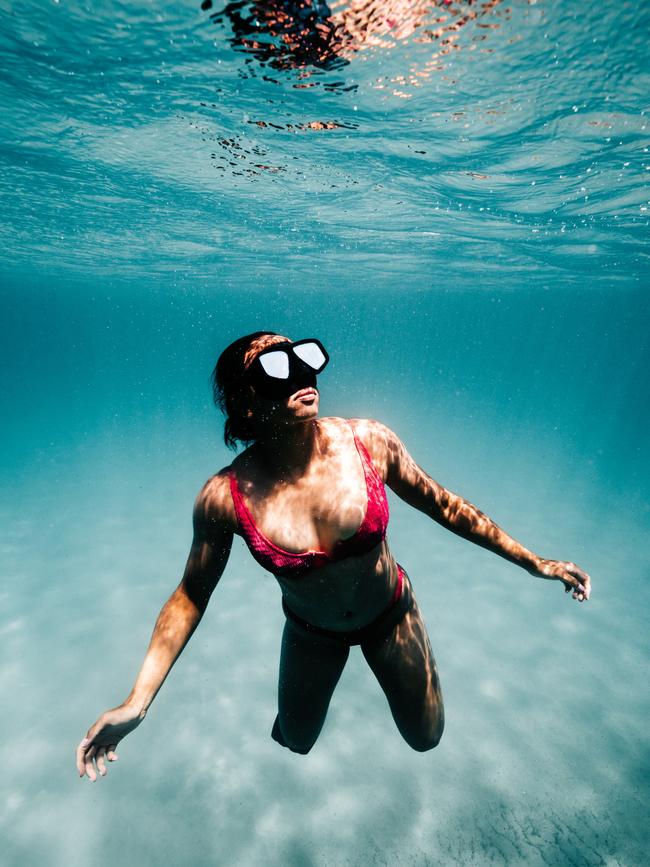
(289, 449)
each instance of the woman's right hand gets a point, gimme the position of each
(102, 739)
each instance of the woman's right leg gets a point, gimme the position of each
(310, 668)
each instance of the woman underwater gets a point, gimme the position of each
(307, 495)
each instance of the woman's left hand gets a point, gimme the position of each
(572, 576)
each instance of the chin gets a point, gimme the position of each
(306, 411)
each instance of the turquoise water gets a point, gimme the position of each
(466, 231)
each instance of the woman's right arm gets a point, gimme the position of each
(176, 622)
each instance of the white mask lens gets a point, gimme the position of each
(275, 364)
(311, 354)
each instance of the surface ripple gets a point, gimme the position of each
(522, 141)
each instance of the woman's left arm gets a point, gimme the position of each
(415, 487)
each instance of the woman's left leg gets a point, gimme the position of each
(403, 664)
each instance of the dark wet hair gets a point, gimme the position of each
(226, 382)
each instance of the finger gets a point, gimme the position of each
(571, 582)
(573, 586)
(582, 592)
(583, 579)
(111, 755)
(576, 588)
(90, 767)
(101, 765)
(81, 756)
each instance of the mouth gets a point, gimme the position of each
(306, 395)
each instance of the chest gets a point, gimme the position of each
(315, 512)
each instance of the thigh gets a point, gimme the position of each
(404, 665)
(310, 668)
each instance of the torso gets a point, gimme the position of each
(316, 512)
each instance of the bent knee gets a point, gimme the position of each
(302, 749)
(291, 744)
(425, 744)
(423, 741)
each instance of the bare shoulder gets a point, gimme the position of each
(371, 429)
(382, 443)
(214, 506)
(374, 433)
(363, 427)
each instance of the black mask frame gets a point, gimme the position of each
(300, 373)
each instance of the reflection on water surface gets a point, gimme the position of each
(476, 138)
(304, 34)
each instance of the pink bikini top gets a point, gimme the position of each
(290, 565)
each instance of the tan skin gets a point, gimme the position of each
(304, 484)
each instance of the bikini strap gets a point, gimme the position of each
(377, 512)
(242, 512)
(366, 457)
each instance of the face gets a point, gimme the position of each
(301, 405)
